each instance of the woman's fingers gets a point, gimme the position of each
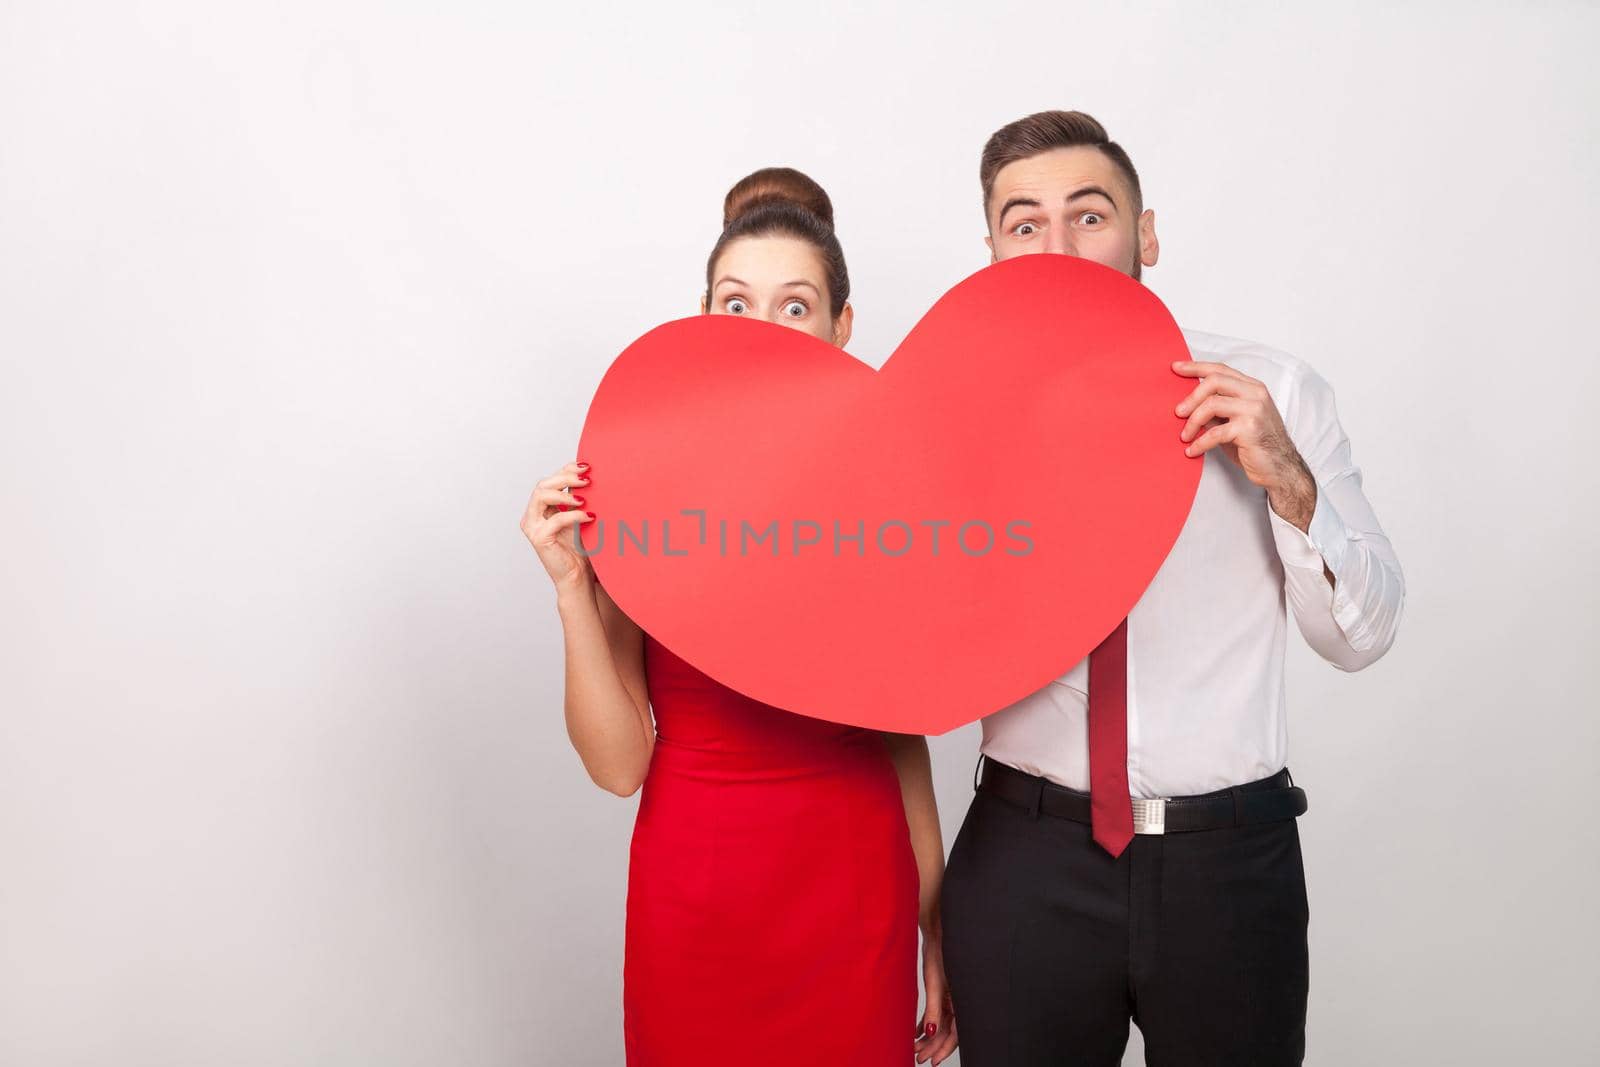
(947, 1044)
(563, 497)
(570, 474)
(565, 476)
(548, 492)
(559, 547)
(929, 1037)
(556, 494)
(556, 526)
(936, 1047)
(554, 512)
(936, 1044)
(552, 534)
(556, 483)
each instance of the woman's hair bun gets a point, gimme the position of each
(776, 184)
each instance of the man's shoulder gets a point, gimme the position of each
(1245, 356)
(1302, 395)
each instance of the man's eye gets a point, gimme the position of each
(794, 309)
(736, 306)
(1023, 229)
(1093, 218)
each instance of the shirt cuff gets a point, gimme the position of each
(1324, 543)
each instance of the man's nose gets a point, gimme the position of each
(1059, 242)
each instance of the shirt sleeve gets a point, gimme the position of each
(1352, 623)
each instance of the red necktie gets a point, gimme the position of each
(1110, 810)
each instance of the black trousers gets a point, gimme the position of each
(1051, 946)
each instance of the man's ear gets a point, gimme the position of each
(1149, 246)
(842, 324)
(990, 242)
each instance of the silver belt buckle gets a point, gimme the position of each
(1149, 815)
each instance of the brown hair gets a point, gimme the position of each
(1042, 131)
(781, 200)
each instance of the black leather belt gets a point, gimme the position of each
(1264, 800)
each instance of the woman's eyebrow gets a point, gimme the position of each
(802, 281)
(729, 280)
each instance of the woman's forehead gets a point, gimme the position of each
(769, 260)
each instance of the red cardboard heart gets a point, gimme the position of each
(905, 549)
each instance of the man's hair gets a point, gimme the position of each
(1042, 131)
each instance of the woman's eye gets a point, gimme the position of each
(1024, 229)
(794, 309)
(736, 306)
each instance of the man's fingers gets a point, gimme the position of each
(1215, 385)
(1196, 368)
(1223, 380)
(1220, 376)
(1234, 384)
(1222, 433)
(1225, 407)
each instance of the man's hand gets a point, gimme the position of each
(1233, 410)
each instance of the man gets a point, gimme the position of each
(1132, 850)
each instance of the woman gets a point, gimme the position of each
(780, 864)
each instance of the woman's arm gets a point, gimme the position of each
(607, 702)
(937, 1038)
(913, 765)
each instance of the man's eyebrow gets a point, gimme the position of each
(1078, 194)
(1015, 201)
(1092, 190)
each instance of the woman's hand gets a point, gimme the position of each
(550, 523)
(937, 1036)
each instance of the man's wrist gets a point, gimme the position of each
(1295, 499)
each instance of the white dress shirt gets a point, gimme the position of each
(1206, 640)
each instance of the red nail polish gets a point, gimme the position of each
(576, 499)
(931, 1028)
(590, 519)
(583, 466)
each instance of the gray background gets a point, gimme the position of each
(298, 300)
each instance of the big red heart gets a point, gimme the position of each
(1038, 391)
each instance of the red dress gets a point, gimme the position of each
(772, 888)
